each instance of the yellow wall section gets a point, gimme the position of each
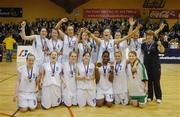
(47, 9)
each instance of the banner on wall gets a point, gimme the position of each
(22, 52)
(11, 12)
(110, 13)
(171, 56)
(164, 14)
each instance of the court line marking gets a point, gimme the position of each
(6, 114)
(8, 78)
(13, 115)
(70, 111)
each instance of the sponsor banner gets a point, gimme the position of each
(22, 52)
(110, 13)
(171, 56)
(164, 14)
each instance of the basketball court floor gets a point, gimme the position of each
(170, 107)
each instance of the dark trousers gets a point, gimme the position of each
(154, 74)
(1, 54)
(9, 55)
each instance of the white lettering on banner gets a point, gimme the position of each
(174, 58)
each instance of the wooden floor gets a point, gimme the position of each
(170, 106)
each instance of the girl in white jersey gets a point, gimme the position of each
(51, 82)
(137, 80)
(84, 45)
(121, 46)
(26, 85)
(107, 43)
(95, 47)
(86, 92)
(104, 88)
(69, 40)
(69, 85)
(40, 48)
(120, 87)
(55, 44)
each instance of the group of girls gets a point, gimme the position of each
(80, 70)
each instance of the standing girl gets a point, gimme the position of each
(55, 44)
(107, 43)
(83, 46)
(40, 48)
(69, 40)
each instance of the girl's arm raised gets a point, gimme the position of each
(58, 25)
(23, 34)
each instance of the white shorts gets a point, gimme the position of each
(69, 98)
(86, 96)
(107, 95)
(27, 100)
(121, 98)
(51, 96)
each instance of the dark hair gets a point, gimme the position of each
(105, 52)
(43, 28)
(29, 54)
(86, 53)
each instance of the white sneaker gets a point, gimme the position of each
(158, 101)
(149, 100)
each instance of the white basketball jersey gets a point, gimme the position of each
(104, 83)
(56, 46)
(69, 44)
(52, 74)
(122, 46)
(135, 45)
(106, 45)
(39, 45)
(120, 78)
(94, 52)
(69, 75)
(85, 70)
(28, 79)
(81, 49)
